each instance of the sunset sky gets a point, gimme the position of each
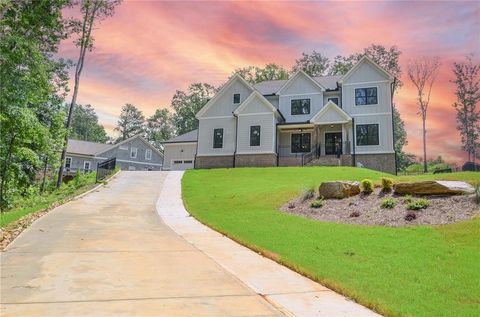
(149, 49)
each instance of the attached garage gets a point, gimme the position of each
(179, 152)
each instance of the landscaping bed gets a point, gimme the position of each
(366, 209)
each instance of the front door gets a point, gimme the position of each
(333, 143)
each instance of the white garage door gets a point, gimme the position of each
(180, 165)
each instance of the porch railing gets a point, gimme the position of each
(105, 168)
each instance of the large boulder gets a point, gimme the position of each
(338, 189)
(433, 188)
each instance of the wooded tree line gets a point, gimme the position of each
(35, 119)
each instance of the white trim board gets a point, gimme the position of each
(141, 163)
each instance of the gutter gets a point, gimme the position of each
(236, 138)
(354, 141)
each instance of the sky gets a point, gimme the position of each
(150, 49)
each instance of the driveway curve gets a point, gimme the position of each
(109, 254)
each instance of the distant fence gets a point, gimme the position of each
(105, 168)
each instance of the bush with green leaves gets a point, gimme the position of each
(317, 203)
(387, 184)
(407, 199)
(308, 193)
(367, 186)
(388, 203)
(418, 204)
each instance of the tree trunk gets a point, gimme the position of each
(42, 188)
(425, 168)
(5, 171)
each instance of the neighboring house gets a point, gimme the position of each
(331, 120)
(180, 151)
(132, 154)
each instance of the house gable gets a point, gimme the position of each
(222, 104)
(365, 70)
(255, 103)
(300, 83)
(331, 114)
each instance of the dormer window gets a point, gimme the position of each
(236, 98)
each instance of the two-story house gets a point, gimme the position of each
(331, 120)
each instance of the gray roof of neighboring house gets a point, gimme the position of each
(270, 87)
(191, 136)
(85, 147)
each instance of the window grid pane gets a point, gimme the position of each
(366, 96)
(300, 106)
(300, 143)
(217, 138)
(255, 135)
(367, 134)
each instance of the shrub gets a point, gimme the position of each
(387, 184)
(418, 204)
(477, 193)
(410, 216)
(307, 194)
(407, 199)
(414, 168)
(388, 203)
(317, 203)
(367, 186)
(355, 214)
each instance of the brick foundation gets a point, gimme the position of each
(290, 161)
(379, 162)
(214, 161)
(255, 160)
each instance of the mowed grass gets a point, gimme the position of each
(408, 271)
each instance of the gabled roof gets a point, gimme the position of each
(294, 77)
(138, 136)
(85, 147)
(191, 136)
(365, 59)
(250, 98)
(221, 92)
(328, 108)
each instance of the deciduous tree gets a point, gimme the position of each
(159, 127)
(85, 125)
(314, 64)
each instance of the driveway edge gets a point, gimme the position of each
(288, 291)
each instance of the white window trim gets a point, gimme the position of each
(89, 165)
(148, 157)
(123, 147)
(366, 87)
(66, 159)
(133, 150)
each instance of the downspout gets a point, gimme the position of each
(236, 138)
(354, 163)
(196, 150)
(392, 92)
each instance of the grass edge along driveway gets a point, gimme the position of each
(408, 271)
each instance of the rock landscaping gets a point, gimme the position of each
(343, 203)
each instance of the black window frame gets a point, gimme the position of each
(367, 97)
(338, 100)
(235, 100)
(362, 139)
(301, 106)
(218, 144)
(301, 147)
(255, 139)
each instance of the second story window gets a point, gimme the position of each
(236, 98)
(255, 135)
(367, 134)
(148, 154)
(217, 138)
(300, 106)
(334, 100)
(366, 96)
(133, 152)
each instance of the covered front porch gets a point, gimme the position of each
(324, 140)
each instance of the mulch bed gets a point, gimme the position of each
(442, 210)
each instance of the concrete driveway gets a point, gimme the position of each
(109, 254)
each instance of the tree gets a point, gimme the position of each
(130, 123)
(314, 64)
(93, 11)
(254, 75)
(32, 86)
(85, 125)
(467, 82)
(187, 104)
(159, 127)
(422, 74)
(342, 64)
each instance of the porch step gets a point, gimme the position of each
(329, 160)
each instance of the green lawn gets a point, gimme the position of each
(409, 271)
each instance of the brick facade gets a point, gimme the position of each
(255, 160)
(379, 162)
(214, 161)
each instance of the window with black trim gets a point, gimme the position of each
(236, 98)
(218, 138)
(255, 135)
(300, 106)
(68, 162)
(334, 100)
(366, 96)
(367, 134)
(300, 143)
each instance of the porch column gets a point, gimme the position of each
(344, 139)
